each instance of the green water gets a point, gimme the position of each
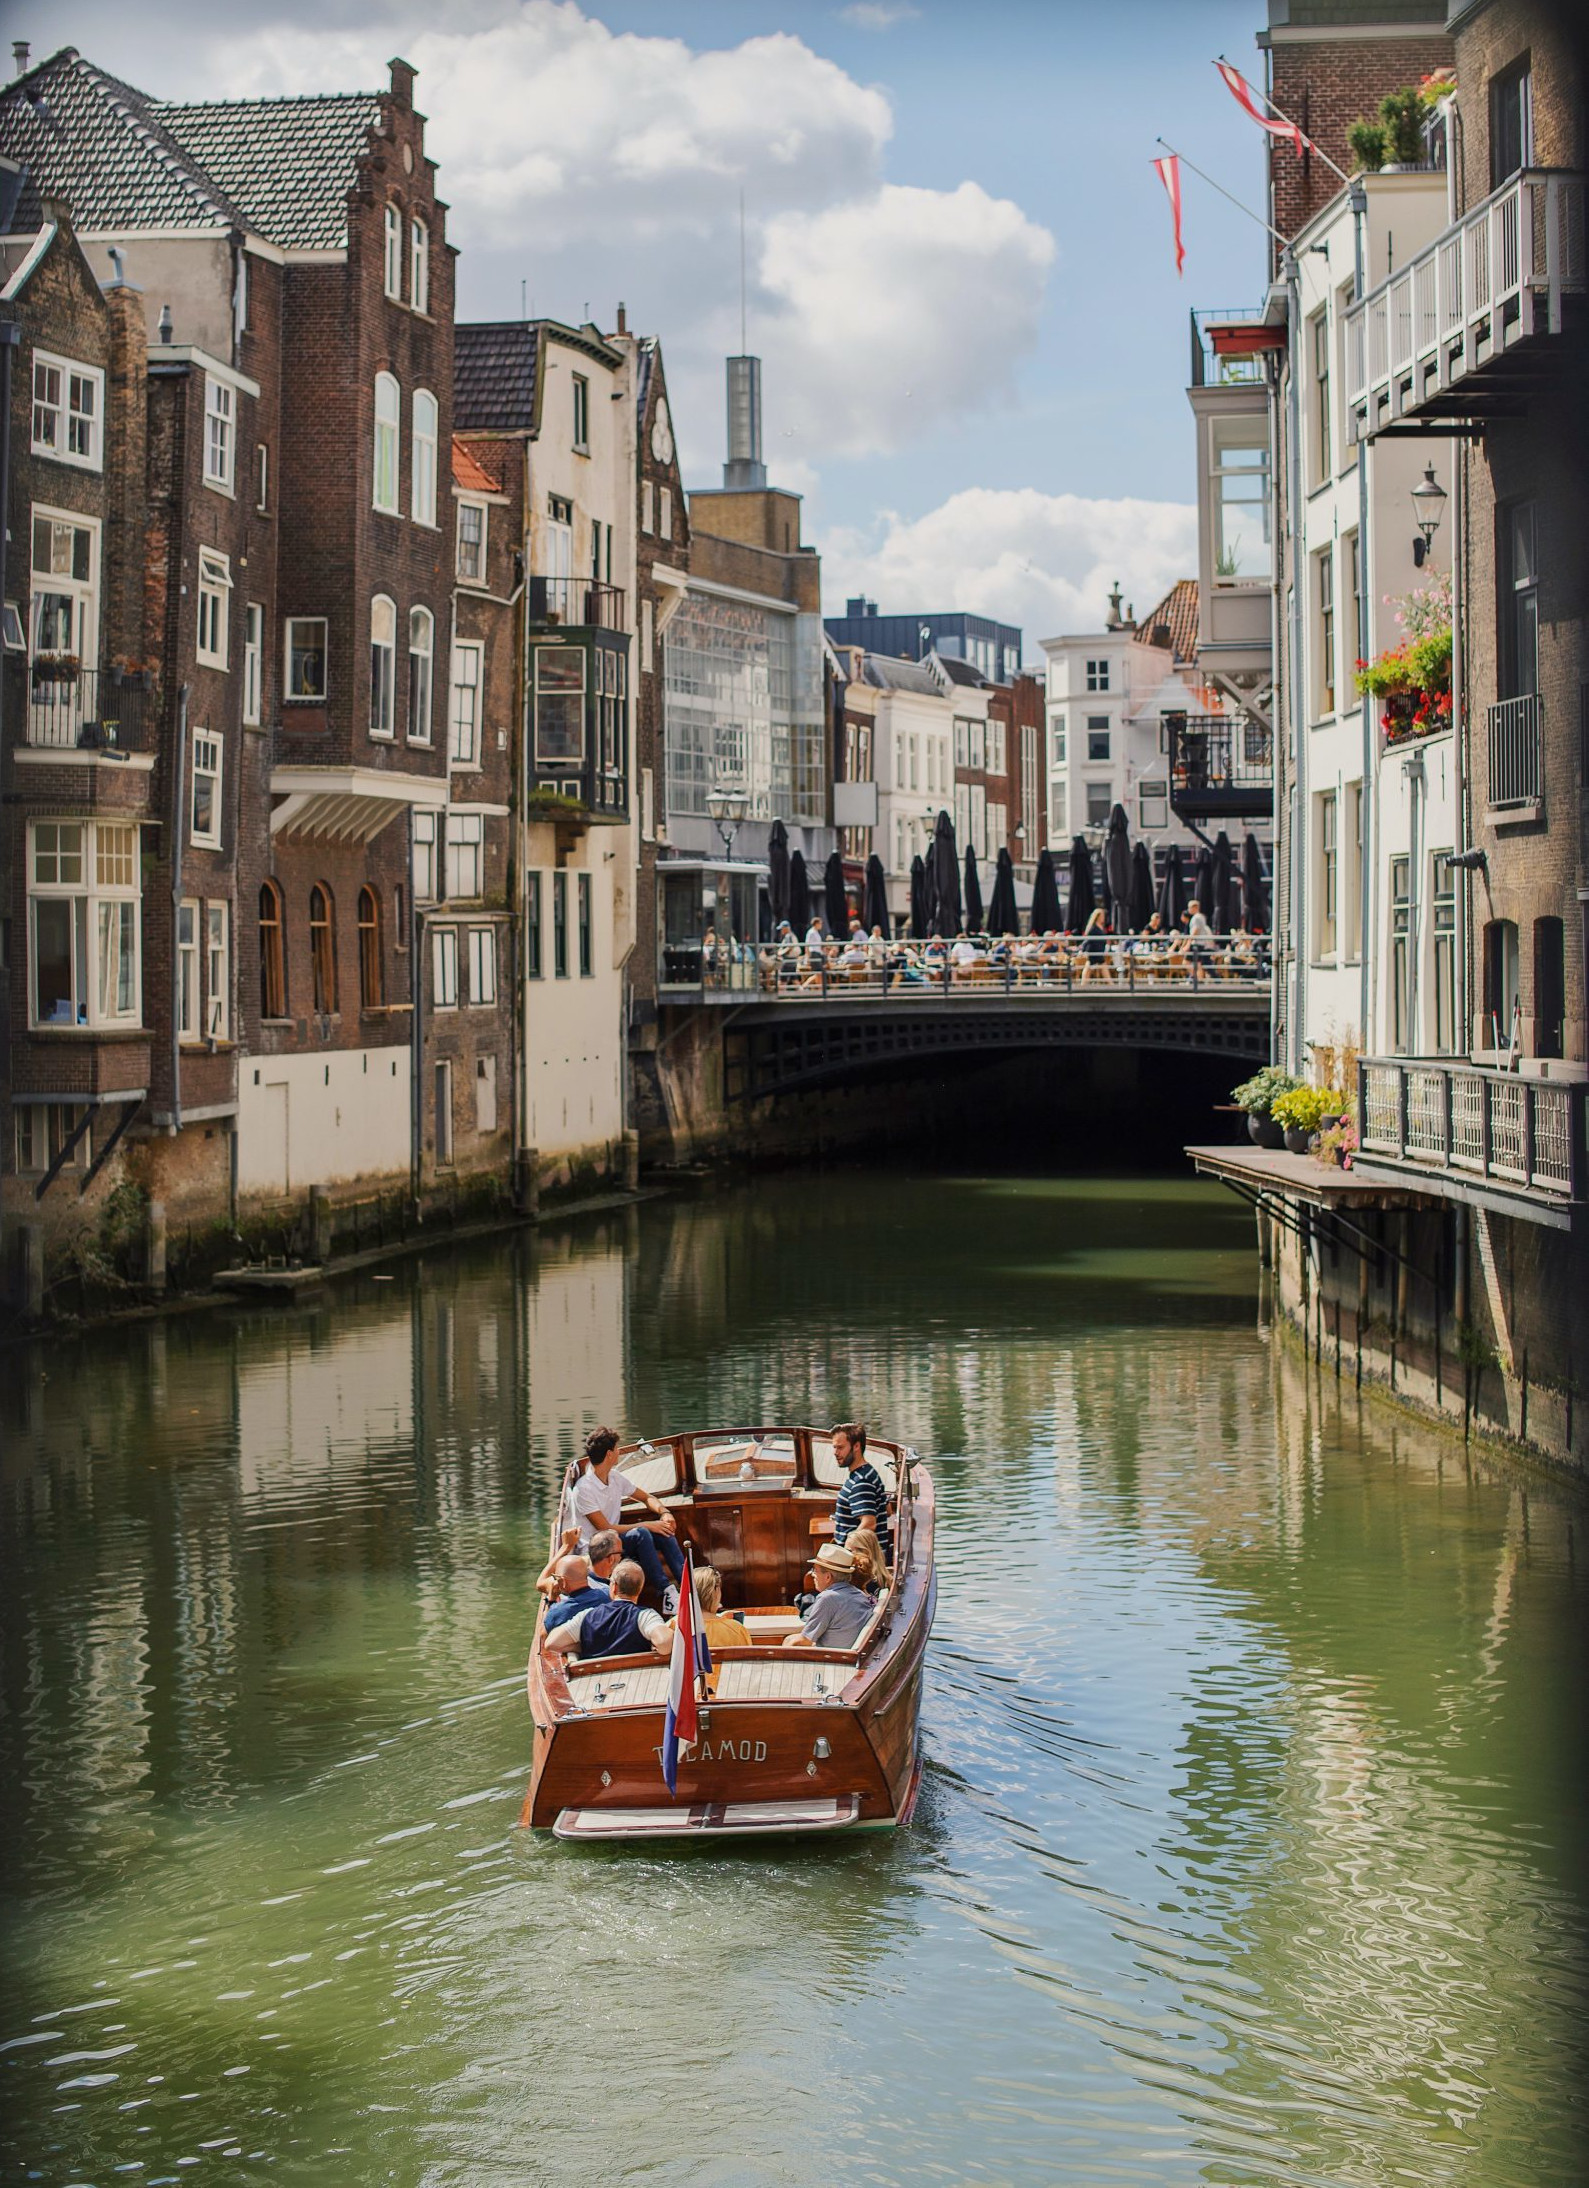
(1252, 1842)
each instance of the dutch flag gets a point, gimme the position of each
(687, 1667)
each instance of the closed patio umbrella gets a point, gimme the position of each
(946, 878)
(799, 913)
(1081, 901)
(778, 870)
(1172, 889)
(1219, 918)
(1254, 896)
(1117, 868)
(835, 897)
(973, 893)
(918, 898)
(1045, 895)
(1003, 918)
(874, 907)
(1141, 886)
(1203, 884)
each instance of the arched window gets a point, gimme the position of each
(371, 971)
(422, 484)
(421, 652)
(272, 953)
(388, 413)
(419, 266)
(383, 666)
(394, 251)
(323, 948)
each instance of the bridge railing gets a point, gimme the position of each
(905, 972)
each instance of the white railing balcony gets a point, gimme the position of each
(1517, 770)
(1525, 1135)
(1435, 336)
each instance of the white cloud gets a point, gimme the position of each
(877, 14)
(1044, 561)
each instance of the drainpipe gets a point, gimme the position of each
(1299, 777)
(1461, 778)
(179, 771)
(10, 338)
(416, 1031)
(1365, 594)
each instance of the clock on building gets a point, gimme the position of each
(662, 434)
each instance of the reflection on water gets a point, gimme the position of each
(1251, 1848)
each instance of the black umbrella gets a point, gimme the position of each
(1079, 905)
(1203, 882)
(1117, 868)
(799, 913)
(1172, 890)
(778, 870)
(946, 878)
(1003, 917)
(1045, 895)
(835, 897)
(918, 898)
(1219, 918)
(1141, 886)
(874, 909)
(973, 893)
(1254, 896)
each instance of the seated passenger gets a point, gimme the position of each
(599, 1558)
(618, 1627)
(863, 1500)
(841, 1611)
(721, 1631)
(599, 1495)
(866, 1552)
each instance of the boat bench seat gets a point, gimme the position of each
(769, 1622)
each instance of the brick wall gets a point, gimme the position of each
(1325, 85)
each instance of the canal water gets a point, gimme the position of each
(1252, 1844)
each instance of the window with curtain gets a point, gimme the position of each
(371, 976)
(323, 948)
(383, 665)
(421, 654)
(272, 954)
(388, 429)
(422, 496)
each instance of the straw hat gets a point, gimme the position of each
(833, 1558)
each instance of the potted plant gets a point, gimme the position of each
(1337, 1143)
(1367, 142)
(1256, 1096)
(1412, 679)
(55, 668)
(1299, 1112)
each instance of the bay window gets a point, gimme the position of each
(83, 906)
(559, 705)
(1241, 501)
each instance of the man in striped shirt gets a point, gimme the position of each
(863, 1500)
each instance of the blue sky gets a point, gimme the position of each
(961, 278)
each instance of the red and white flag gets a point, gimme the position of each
(688, 1665)
(1241, 91)
(1169, 173)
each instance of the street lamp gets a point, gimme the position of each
(1428, 506)
(727, 808)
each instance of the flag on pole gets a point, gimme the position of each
(1169, 173)
(1241, 91)
(688, 1665)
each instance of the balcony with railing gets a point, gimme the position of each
(1221, 766)
(576, 603)
(1516, 756)
(1461, 1125)
(1462, 330)
(54, 705)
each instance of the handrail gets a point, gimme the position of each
(1432, 1113)
(902, 971)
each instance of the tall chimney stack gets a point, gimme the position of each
(744, 470)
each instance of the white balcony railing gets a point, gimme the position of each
(1528, 1134)
(1517, 774)
(1497, 277)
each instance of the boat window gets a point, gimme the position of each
(736, 1463)
(828, 1474)
(655, 1471)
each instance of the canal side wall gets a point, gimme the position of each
(1463, 1316)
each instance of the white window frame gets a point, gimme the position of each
(43, 1130)
(1058, 809)
(424, 872)
(217, 969)
(82, 592)
(482, 967)
(419, 265)
(187, 996)
(106, 916)
(386, 446)
(253, 663)
(1059, 740)
(392, 251)
(421, 675)
(62, 407)
(468, 576)
(290, 624)
(425, 417)
(648, 637)
(209, 765)
(465, 855)
(444, 968)
(213, 629)
(220, 434)
(1154, 793)
(262, 479)
(581, 420)
(665, 511)
(648, 506)
(383, 683)
(463, 703)
(1097, 675)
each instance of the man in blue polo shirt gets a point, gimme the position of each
(863, 1500)
(617, 1626)
(584, 1578)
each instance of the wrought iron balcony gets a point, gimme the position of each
(1455, 332)
(1464, 1123)
(1517, 769)
(52, 704)
(1221, 766)
(577, 603)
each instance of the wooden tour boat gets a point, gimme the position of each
(803, 1739)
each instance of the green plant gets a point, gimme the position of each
(1225, 562)
(1258, 1094)
(1304, 1108)
(1367, 142)
(1401, 115)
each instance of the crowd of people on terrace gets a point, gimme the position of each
(1096, 953)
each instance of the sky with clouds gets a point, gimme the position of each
(957, 256)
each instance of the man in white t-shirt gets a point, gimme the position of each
(599, 1497)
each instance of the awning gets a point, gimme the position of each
(347, 804)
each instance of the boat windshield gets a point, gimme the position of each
(655, 1470)
(737, 1463)
(827, 1473)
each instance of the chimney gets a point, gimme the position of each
(744, 470)
(403, 74)
(623, 320)
(1112, 621)
(165, 323)
(20, 49)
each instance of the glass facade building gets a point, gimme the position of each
(744, 709)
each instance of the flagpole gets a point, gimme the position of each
(1283, 241)
(1286, 118)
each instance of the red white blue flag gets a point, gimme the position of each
(688, 1666)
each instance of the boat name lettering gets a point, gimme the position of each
(723, 1751)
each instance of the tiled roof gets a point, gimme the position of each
(1177, 613)
(281, 167)
(958, 671)
(291, 164)
(493, 388)
(470, 473)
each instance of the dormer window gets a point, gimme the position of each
(394, 254)
(419, 266)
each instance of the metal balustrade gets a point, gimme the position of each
(1526, 1133)
(580, 603)
(74, 709)
(1517, 774)
(1225, 965)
